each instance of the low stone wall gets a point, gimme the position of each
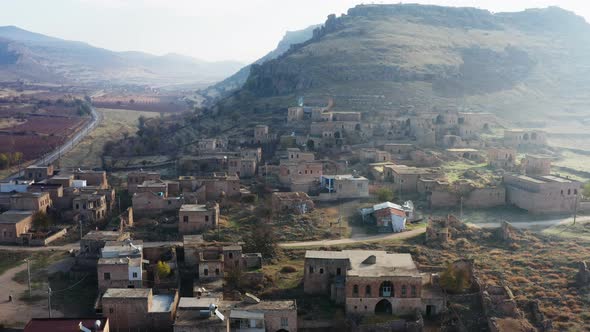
(48, 240)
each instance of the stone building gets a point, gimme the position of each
(210, 187)
(138, 309)
(388, 217)
(537, 164)
(291, 202)
(194, 218)
(92, 178)
(137, 178)
(405, 178)
(520, 138)
(146, 203)
(373, 155)
(91, 207)
(299, 171)
(242, 167)
(120, 265)
(343, 186)
(295, 114)
(13, 224)
(502, 158)
(31, 201)
(38, 172)
(542, 194)
(368, 282)
(92, 243)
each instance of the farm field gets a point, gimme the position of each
(115, 123)
(145, 103)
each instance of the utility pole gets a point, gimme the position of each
(49, 300)
(461, 209)
(80, 229)
(29, 275)
(576, 209)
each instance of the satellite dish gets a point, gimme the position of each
(219, 315)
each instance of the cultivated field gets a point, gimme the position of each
(114, 125)
(138, 102)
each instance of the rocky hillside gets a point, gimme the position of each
(39, 58)
(378, 57)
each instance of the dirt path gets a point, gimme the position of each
(17, 313)
(354, 239)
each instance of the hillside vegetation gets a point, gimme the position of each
(379, 57)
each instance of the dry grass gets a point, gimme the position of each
(115, 122)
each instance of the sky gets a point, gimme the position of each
(213, 30)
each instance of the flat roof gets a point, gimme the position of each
(194, 302)
(136, 261)
(14, 216)
(241, 314)
(127, 293)
(385, 264)
(554, 178)
(64, 324)
(345, 177)
(407, 170)
(193, 207)
(462, 150)
(162, 303)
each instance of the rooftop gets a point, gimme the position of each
(120, 261)
(63, 324)
(408, 170)
(241, 314)
(14, 216)
(345, 177)
(196, 303)
(385, 264)
(162, 303)
(127, 293)
(193, 208)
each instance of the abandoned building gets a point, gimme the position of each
(291, 202)
(120, 265)
(343, 186)
(13, 224)
(195, 218)
(370, 282)
(542, 194)
(388, 217)
(520, 138)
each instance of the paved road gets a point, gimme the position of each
(67, 146)
(358, 239)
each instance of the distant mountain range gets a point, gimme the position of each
(38, 58)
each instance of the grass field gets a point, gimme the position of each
(113, 126)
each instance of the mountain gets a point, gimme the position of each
(238, 79)
(382, 57)
(36, 57)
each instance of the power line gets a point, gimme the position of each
(66, 289)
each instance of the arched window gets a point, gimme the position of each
(414, 291)
(368, 290)
(404, 290)
(355, 290)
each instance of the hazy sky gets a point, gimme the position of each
(242, 30)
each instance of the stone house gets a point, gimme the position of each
(138, 309)
(211, 187)
(92, 178)
(537, 164)
(471, 196)
(135, 179)
(195, 218)
(242, 167)
(299, 171)
(405, 178)
(203, 255)
(295, 114)
(502, 158)
(520, 138)
(56, 191)
(31, 201)
(91, 207)
(38, 172)
(13, 224)
(251, 314)
(92, 243)
(373, 155)
(368, 282)
(343, 186)
(145, 203)
(210, 144)
(542, 194)
(15, 186)
(291, 202)
(120, 265)
(399, 150)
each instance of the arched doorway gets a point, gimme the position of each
(357, 127)
(337, 134)
(383, 307)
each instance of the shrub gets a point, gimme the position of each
(384, 194)
(163, 269)
(288, 269)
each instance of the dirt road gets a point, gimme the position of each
(354, 239)
(17, 313)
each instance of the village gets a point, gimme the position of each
(197, 251)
